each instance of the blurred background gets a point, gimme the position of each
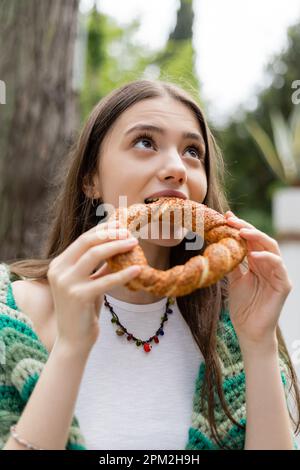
(240, 60)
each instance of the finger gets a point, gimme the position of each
(102, 271)
(68, 254)
(274, 261)
(93, 256)
(238, 223)
(91, 289)
(104, 226)
(266, 254)
(262, 238)
(228, 214)
(85, 241)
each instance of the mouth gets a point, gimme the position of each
(148, 200)
(171, 222)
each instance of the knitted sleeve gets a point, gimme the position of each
(22, 358)
(234, 389)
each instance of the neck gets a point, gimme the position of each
(158, 258)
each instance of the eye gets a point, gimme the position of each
(147, 137)
(143, 138)
(197, 150)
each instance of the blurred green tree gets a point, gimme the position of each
(177, 60)
(37, 122)
(250, 181)
(114, 57)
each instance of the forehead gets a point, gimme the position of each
(164, 111)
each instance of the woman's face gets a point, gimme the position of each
(136, 165)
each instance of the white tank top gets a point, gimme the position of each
(131, 399)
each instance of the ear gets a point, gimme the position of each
(90, 186)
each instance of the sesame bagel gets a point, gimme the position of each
(224, 251)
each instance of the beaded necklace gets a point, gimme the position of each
(121, 330)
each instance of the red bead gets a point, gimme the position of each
(156, 339)
(147, 347)
(129, 337)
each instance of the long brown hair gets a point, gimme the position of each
(71, 214)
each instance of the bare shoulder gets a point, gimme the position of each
(34, 298)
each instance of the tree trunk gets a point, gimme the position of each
(37, 122)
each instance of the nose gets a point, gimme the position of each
(172, 168)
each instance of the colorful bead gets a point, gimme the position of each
(146, 344)
(147, 347)
(119, 332)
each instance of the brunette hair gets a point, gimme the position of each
(71, 213)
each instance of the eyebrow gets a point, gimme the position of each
(151, 127)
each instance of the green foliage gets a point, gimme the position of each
(251, 182)
(176, 63)
(114, 58)
(283, 153)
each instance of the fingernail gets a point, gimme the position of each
(134, 269)
(131, 240)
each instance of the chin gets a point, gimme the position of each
(164, 242)
(167, 237)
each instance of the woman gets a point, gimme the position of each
(222, 361)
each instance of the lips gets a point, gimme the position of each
(154, 197)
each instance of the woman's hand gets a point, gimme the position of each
(77, 291)
(257, 295)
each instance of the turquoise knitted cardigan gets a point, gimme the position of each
(22, 357)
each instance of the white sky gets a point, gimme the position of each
(233, 40)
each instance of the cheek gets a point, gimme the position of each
(198, 187)
(121, 184)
